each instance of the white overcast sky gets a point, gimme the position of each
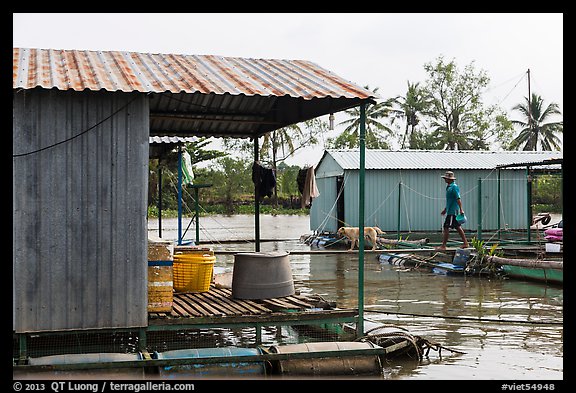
(384, 50)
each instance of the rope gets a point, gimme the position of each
(171, 178)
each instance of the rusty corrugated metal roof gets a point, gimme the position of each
(158, 73)
(196, 95)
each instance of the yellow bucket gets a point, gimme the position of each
(193, 271)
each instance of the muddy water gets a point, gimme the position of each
(507, 330)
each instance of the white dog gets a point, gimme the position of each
(353, 233)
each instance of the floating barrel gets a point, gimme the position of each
(220, 369)
(461, 257)
(262, 275)
(328, 366)
(107, 371)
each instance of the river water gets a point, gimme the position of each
(505, 329)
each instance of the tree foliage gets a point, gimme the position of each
(537, 129)
(458, 117)
(375, 128)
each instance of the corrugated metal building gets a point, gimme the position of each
(405, 191)
(81, 127)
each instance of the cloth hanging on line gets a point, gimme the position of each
(187, 174)
(264, 180)
(310, 190)
(301, 179)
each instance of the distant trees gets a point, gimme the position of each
(446, 112)
(537, 129)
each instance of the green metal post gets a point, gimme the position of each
(197, 208)
(22, 347)
(529, 202)
(256, 202)
(499, 205)
(142, 340)
(562, 188)
(360, 326)
(179, 195)
(479, 227)
(159, 199)
(399, 206)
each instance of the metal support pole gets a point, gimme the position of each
(529, 202)
(159, 199)
(22, 347)
(479, 227)
(197, 208)
(360, 326)
(179, 195)
(399, 206)
(142, 340)
(499, 206)
(256, 202)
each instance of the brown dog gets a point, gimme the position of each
(352, 233)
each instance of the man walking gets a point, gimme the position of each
(453, 206)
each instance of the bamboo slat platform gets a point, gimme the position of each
(218, 307)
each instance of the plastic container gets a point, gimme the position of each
(193, 271)
(461, 257)
(262, 275)
(160, 275)
(461, 218)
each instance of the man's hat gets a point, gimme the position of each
(449, 175)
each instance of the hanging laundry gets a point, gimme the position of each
(310, 189)
(187, 174)
(301, 179)
(264, 180)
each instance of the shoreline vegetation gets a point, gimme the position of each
(280, 210)
(222, 209)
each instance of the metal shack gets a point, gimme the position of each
(405, 191)
(81, 126)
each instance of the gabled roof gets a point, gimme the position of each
(438, 159)
(196, 94)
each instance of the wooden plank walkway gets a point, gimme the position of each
(218, 303)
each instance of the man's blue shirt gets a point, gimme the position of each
(452, 196)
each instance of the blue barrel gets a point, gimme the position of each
(461, 257)
(82, 358)
(223, 369)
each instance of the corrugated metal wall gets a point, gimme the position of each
(422, 198)
(79, 215)
(323, 212)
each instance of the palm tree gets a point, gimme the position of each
(349, 138)
(535, 128)
(414, 103)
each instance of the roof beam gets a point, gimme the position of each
(180, 116)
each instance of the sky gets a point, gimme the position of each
(383, 50)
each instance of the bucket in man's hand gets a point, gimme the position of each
(461, 218)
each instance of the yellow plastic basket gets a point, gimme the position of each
(193, 271)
